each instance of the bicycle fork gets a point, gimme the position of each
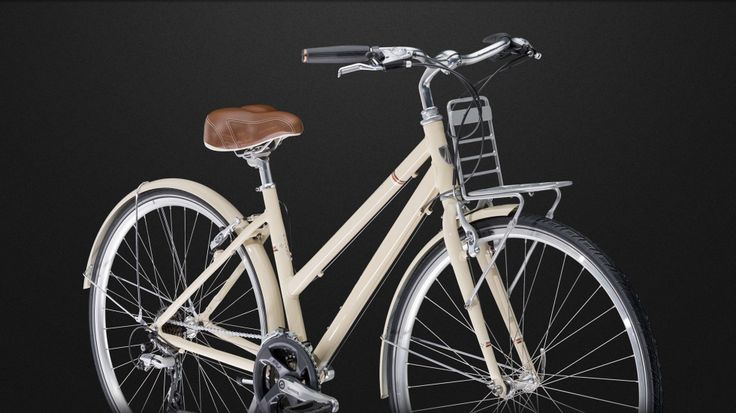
(465, 282)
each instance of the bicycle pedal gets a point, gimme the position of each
(309, 407)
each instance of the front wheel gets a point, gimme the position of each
(583, 326)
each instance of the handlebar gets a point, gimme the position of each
(375, 58)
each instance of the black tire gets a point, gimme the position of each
(397, 358)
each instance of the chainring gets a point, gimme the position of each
(281, 355)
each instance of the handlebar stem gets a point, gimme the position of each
(452, 60)
(425, 90)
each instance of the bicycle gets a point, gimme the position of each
(175, 326)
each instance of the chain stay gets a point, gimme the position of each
(216, 330)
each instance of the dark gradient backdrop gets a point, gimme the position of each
(632, 101)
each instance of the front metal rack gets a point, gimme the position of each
(476, 155)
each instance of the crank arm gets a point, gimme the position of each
(299, 391)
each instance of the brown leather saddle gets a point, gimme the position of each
(234, 129)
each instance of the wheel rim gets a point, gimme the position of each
(184, 225)
(555, 393)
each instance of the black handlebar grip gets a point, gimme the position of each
(496, 37)
(336, 54)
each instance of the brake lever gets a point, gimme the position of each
(356, 67)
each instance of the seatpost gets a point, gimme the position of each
(264, 170)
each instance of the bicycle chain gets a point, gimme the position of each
(216, 330)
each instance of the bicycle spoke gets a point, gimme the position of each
(144, 289)
(232, 303)
(591, 368)
(457, 359)
(467, 326)
(230, 380)
(153, 386)
(156, 272)
(590, 352)
(473, 377)
(141, 386)
(575, 376)
(556, 402)
(208, 383)
(592, 397)
(554, 344)
(440, 383)
(462, 313)
(445, 406)
(194, 395)
(531, 288)
(240, 315)
(477, 408)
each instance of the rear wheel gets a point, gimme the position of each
(582, 324)
(139, 372)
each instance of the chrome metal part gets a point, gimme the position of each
(326, 375)
(463, 112)
(484, 53)
(356, 67)
(526, 383)
(398, 53)
(425, 88)
(112, 299)
(520, 42)
(542, 362)
(264, 170)
(551, 213)
(520, 272)
(139, 317)
(222, 235)
(147, 361)
(190, 332)
(430, 114)
(463, 116)
(497, 249)
(471, 236)
(291, 387)
(449, 58)
(506, 190)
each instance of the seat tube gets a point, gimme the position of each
(442, 167)
(280, 246)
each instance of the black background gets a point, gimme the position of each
(632, 101)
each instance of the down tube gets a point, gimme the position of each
(376, 270)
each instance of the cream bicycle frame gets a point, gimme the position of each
(437, 180)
